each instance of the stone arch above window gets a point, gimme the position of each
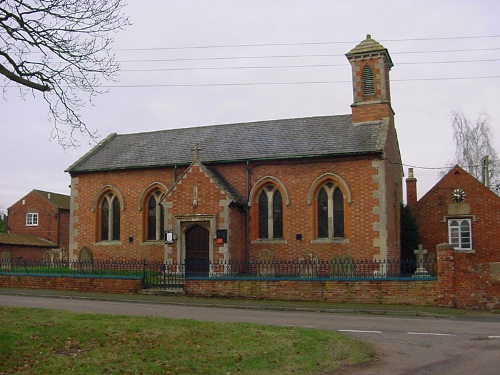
(270, 207)
(103, 191)
(337, 180)
(154, 215)
(330, 211)
(268, 180)
(108, 217)
(147, 191)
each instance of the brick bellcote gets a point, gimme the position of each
(371, 63)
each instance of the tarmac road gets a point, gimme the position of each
(406, 345)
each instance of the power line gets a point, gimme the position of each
(276, 83)
(297, 66)
(303, 43)
(438, 168)
(296, 56)
(281, 83)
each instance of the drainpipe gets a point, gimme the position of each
(247, 247)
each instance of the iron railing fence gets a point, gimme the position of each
(342, 268)
(172, 274)
(99, 268)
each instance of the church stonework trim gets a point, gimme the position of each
(73, 217)
(108, 218)
(380, 226)
(269, 196)
(336, 179)
(331, 197)
(153, 212)
(147, 191)
(102, 191)
(184, 222)
(269, 180)
(107, 207)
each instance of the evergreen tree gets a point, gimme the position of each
(3, 223)
(410, 236)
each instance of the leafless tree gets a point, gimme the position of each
(473, 141)
(62, 49)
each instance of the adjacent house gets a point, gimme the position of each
(320, 187)
(461, 211)
(38, 225)
(458, 210)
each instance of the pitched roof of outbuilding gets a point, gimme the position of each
(274, 139)
(24, 240)
(59, 200)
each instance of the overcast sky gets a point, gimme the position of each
(446, 57)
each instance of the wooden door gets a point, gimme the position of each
(197, 251)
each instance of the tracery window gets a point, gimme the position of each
(330, 211)
(155, 217)
(110, 218)
(270, 212)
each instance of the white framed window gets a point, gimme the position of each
(460, 233)
(32, 219)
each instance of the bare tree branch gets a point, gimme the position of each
(473, 142)
(61, 48)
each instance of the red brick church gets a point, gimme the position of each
(326, 186)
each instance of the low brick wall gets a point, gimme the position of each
(76, 284)
(398, 292)
(464, 282)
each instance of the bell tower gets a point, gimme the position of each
(371, 63)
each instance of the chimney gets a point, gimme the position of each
(411, 189)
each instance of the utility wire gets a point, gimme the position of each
(297, 56)
(283, 83)
(438, 168)
(298, 66)
(303, 43)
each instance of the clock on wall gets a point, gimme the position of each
(458, 195)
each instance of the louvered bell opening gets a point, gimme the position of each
(368, 85)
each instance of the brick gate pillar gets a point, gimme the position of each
(446, 275)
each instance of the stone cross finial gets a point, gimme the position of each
(420, 252)
(196, 149)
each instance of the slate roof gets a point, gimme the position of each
(273, 139)
(25, 240)
(59, 200)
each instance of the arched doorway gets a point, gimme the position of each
(197, 251)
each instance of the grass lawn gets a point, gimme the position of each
(39, 341)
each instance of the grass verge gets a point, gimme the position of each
(39, 341)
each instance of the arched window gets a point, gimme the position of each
(270, 213)
(368, 84)
(155, 217)
(330, 211)
(460, 233)
(110, 218)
